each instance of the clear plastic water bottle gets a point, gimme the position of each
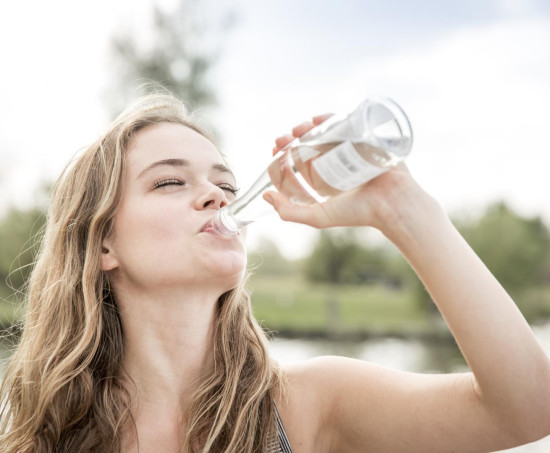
(340, 154)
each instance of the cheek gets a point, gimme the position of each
(150, 234)
(158, 245)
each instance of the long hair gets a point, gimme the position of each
(65, 389)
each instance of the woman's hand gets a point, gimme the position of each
(377, 203)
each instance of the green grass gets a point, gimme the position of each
(294, 304)
(290, 303)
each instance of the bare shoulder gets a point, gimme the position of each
(350, 405)
(306, 407)
(320, 375)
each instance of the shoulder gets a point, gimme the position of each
(308, 378)
(306, 408)
(322, 375)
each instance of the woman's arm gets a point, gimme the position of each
(512, 372)
(505, 402)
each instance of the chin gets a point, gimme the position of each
(231, 266)
(233, 272)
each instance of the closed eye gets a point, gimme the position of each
(178, 182)
(168, 182)
(228, 188)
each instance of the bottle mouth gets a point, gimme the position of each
(223, 223)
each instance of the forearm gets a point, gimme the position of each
(510, 368)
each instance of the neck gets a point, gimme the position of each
(167, 347)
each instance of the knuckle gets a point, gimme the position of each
(302, 127)
(283, 140)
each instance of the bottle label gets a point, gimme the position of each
(343, 167)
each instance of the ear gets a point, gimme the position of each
(108, 256)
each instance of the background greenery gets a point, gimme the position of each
(347, 285)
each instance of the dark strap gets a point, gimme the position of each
(284, 444)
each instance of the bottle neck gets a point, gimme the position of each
(225, 223)
(246, 209)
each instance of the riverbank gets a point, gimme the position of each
(291, 307)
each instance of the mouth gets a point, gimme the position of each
(213, 228)
(208, 227)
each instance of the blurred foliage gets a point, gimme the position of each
(291, 303)
(176, 52)
(516, 249)
(341, 257)
(267, 260)
(20, 234)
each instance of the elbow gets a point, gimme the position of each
(523, 428)
(532, 420)
(532, 432)
(539, 423)
(523, 413)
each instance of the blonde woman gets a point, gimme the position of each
(139, 334)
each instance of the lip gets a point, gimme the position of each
(207, 227)
(210, 228)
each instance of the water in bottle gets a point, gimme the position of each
(340, 154)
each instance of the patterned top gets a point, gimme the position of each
(281, 444)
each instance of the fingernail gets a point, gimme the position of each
(268, 198)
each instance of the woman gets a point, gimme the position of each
(139, 334)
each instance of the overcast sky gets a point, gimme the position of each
(474, 78)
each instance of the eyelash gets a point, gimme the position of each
(229, 188)
(166, 182)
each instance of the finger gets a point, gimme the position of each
(306, 214)
(282, 141)
(301, 129)
(320, 118)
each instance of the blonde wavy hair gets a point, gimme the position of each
(65, 389)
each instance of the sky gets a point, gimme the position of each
(473, 77)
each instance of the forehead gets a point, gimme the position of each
(170, 141)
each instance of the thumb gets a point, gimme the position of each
(292, 212)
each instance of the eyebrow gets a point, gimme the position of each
(182, 163)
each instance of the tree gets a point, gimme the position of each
(181, 46)
(341, 257)
(328, 259)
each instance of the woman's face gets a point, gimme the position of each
(175, 182)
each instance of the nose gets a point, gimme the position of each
(210, 197)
